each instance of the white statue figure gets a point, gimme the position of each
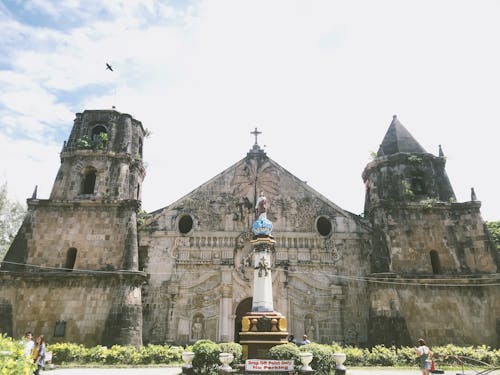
(262, 206)
(197, 328)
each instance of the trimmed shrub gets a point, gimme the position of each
(336, 347)
(206, 357)
(322, 362)
(160, 354)
(382, 356)
(406, 356)
(285, 351)
(234, 348)
(123, 355)
(354, 356)
(97, 354)
(64, 352)
(126, 355)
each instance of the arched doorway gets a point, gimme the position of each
(244, 307)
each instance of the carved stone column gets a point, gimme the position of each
(225, 328)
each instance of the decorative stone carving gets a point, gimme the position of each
(197, 328)
(253, 176)
(243, 255)
(309, 327)
(330, 247)
(263, 267)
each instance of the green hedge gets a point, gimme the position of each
(447, 355)
(63, 353)
(207, 354)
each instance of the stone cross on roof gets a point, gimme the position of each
(256, 133)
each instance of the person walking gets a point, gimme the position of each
(39, 354)
(424, 357)
(29, 344)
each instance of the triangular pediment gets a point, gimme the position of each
(227, 201)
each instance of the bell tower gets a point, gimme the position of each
(404, 172)
(85, 234)
(102, 159)
(413, 210)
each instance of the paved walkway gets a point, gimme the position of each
(177, 370)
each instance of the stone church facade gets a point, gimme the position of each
(83, 268)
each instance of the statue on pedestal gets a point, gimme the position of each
(262, 328)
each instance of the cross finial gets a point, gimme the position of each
(256, 134)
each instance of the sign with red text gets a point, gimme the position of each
(269, 365)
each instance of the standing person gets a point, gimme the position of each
(29, 344)
(424, 357)
(305, 340)
(40, 354)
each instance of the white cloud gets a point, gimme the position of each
(321, 80)
(28, 107)
(27, 163)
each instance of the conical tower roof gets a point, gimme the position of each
(398, 139)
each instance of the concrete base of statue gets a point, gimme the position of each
(260, 332)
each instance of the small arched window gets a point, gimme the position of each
(88, 182)
(70, 259)
(97, 130)
(435, 262)
(99, 136)
(417, 186)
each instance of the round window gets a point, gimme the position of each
(324, 226)
(185, 224)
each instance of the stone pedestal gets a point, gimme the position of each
(262, 328)
(260, 332)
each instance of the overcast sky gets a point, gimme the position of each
(320, 79)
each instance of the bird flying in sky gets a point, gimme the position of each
(109, 67)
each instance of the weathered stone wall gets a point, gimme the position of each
(84, 302)
(459, 311)
(117, 176)
(455, 231)
(406, 177)
(98, 231)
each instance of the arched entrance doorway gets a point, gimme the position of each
(244, 307)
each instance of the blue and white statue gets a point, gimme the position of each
(262, 226)
(263, 244)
